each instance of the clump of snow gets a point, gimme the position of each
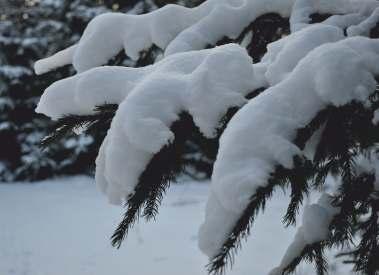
(61, 58)
(193, 82)
(317, 217)
(151, 99)
(197, 27)
(81, 93)
(314, 228)
(259, 137)
(174, 28)
(343, 21)
(283, 55)
(303, 9)
(364, 27)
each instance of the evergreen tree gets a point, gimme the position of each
(297, 105)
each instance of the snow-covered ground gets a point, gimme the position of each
(62, 227)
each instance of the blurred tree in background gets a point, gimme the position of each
(30, 30)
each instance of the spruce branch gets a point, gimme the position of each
(156, 178)
(100, 119)
(347, 132)
(312, 253)
(163, 169)
(240, 230)
(280, 178)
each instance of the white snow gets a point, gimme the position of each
(259, 137)
(63, 57)
(179, 29)
(81, 93)
(308, 70)
(61, 227)
(199, 84)
(315, 228)
(302, 10)
(174, 28)
(365, 26)
(151, 99)
(283, 55)
(14, 71)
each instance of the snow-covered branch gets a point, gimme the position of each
(174, 28)
(317, 69)
(260, 136)
(316, 220)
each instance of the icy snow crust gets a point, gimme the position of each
(299, 72)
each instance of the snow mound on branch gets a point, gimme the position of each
(316, 219)
(81, 93)
(283, 55)
(350, 9)
(59, 59)
(179, 29)
(259, 137)
(173, 27)
(364, 27)
(195, 82)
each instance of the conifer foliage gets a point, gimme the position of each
(293, 101)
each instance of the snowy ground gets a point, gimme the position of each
(62, 227)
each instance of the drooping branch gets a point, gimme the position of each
(162, 170)
(68, 124)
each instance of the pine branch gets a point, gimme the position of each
(299, 189)
(342, 139)
(304, 134)
(156, 178)
(313, 253)
(241, 230)
(353, 194)
(66, 125)
(280, 178)
(367, 254)
(163, 169)
(266, 29)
